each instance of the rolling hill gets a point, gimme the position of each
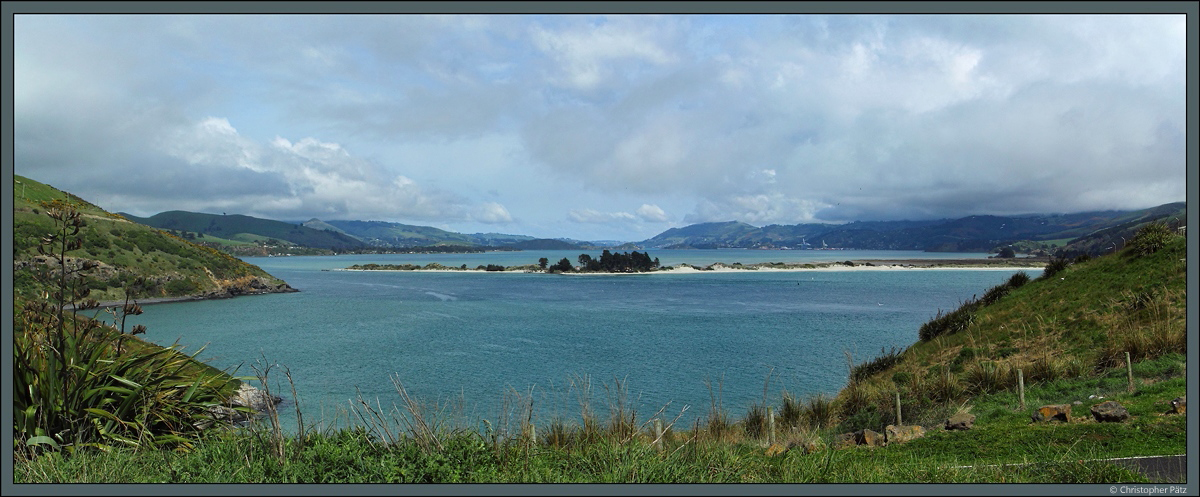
(124, 252)
(234, 225)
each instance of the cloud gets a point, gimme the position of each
(760, 209)
(588, 54)
(492, 213)
(507, 119)
(592, 216)
(652, 213)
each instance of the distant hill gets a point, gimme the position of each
(232, 225)
(703, 235)
(386, 234)
(499, 239)
(967, 234)
(544, 244)
(125, 251)
(1114, 237)
(318, 224)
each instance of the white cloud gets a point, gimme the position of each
(589, 54)
(760, 209)
(323, 178)
(652, 213)
(492, 213)
(593, 216)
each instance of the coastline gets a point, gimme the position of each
(854, 265)
(190, 298)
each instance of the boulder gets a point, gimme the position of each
(960, 421)
(1053, 412)
(776, 450)
(869, 437)
(1179, 405)
(248, 396)
(805, 447)
(1110, 411)
(903, 433)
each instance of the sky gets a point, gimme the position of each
(603, 127)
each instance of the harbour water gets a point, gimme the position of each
(470, 340)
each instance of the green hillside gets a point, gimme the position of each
(232, 225)
(703, 235)
(1072, 323)
(381, 233)
(126, 251)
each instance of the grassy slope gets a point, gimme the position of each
(403, 235)
(176, 267)
(234, 224)
(1067, 334)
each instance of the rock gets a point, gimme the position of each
(805, 447)
(775, 450)
(869, 438)
(1053, 412)
(1110, 411)
(903, 433)
(961, 421)
(1179, 405)
(1078, 403)
(248, 396)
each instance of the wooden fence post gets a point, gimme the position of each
(770, 426)
(1129, 370)
(658, 434)
(1021, 387)
(899, 417)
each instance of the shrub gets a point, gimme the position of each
(1018, 279)
(949, 323)
(882, 362)
(790, 411)
(1054, 267)
(756, 421)
(1150, 238)
(994, 294)
(988, 376)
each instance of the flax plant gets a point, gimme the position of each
(73, 388)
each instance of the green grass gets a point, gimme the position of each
(172, 266)
(1043, 453)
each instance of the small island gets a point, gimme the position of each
(640, 262)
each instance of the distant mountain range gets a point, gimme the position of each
(1085, 232)
(968, 234)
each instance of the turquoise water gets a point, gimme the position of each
(469, 337)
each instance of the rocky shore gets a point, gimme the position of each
(255, 286)
(246, 397)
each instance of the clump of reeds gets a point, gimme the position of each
(75, 387)
(884, 361)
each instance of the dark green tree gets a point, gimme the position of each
(543, 262)
(563, 265)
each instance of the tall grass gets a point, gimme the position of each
(75, 387)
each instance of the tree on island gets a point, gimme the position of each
(543, 262)
(1006, 253)
(563, 265)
